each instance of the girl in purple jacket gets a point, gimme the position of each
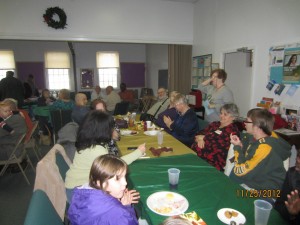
(105, 200)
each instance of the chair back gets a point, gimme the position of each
(146, 92)
(30, 133)
(41, 211)
(121, 108)
(59, 119)
(63, 167)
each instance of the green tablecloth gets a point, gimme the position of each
(206, 189)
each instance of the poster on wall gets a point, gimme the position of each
(285, 64)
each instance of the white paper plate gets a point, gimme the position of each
(151, 132)
(128, 132)
(240, 219)
(167, 203)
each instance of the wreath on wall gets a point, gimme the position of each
(56, 24)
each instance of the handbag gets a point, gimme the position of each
(45, 139)
(121, 123)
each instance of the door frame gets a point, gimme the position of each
(254, 50)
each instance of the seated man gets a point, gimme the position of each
(126, 95)
(96, 93)
(112, 99)
(288, 204)
(259, 158)
(161, 105)
(80, 109)
(185, 127)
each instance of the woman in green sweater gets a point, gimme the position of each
(93, 136)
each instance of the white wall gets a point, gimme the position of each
(157, 59)
(223, 25)
(135, 21)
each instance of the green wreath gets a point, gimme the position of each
(48, 18)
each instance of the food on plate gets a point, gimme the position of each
(228, 214)
(194, 218)
(169, 196)
(163, 210)
(133, 132)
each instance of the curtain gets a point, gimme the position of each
(180, 68)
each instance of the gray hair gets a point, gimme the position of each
(232, 109)
(180, 98)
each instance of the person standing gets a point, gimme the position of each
(11, 87)
(217, 93)
(30, 89)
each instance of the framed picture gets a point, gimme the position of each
(87, 78)
(214, 66)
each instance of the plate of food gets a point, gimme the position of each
(151, 132)
(128, 132)
(167, 203)
(228, 215)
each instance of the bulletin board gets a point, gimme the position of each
(133, 74)
(285, 64)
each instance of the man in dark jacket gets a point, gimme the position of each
(11, 87)
(288, 204)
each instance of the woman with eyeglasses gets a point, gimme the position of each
(259, 154)
(212, 143)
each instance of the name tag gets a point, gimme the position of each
(218, 132)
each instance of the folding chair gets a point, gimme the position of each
(121, 108)
(41, 211)
(59, 119)
(14, 159)
(30, 141)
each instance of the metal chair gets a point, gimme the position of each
(17, 159)
(59, 119)
(41, 211)
(30, 142)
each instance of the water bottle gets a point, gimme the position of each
(160, 137)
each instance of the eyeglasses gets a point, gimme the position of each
(245, 121)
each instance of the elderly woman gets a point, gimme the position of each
(185, 126)
(212, 143)
(217, 92)
(170, 111)
(64, 102)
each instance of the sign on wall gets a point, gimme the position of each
(285, 64)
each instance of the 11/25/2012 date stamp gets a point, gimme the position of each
(264, 193)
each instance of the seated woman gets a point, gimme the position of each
(113, 149)
(92, 140)
(8, 140)
(170, 112)
(185, 126)
(63, 102)
(104, 199)
(212, 143)
(45, 99)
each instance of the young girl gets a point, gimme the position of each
(105, 200)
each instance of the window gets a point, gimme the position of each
(58, 70)
(108, 69)
(7, 62)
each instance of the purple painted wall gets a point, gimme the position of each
(34, 68)
(133, 74)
